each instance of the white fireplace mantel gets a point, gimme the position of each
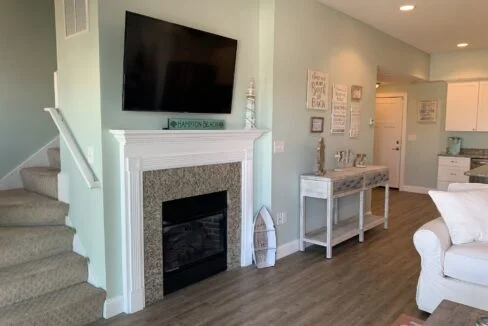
(146, 150)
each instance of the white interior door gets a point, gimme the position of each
(388, 136)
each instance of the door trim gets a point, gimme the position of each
(403, 147)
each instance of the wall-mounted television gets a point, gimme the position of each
(173, 68)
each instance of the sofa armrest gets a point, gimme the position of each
(432, 241)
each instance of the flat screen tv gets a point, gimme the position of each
(173, 68)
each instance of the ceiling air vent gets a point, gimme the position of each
(75, 17)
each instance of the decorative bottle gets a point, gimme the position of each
(251, 107)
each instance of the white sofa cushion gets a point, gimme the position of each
(466, 186)
(465, 214)
(468, 262)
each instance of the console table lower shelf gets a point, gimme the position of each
(332, 186)
(343, 230)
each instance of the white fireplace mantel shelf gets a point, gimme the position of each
(147, 150)
(138, 136)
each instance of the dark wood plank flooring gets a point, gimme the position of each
(364, 284)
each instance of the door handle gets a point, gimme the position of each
(396, 148)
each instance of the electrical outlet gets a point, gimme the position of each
(278, 146)
(281, 218)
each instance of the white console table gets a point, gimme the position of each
(334, 185)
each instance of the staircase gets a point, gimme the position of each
(42, 281)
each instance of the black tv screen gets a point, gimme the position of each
(169, 67)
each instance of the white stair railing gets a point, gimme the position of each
(80, 160)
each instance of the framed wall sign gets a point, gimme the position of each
(356, 93)
(317, 90)
(427, 111)
(316, 124)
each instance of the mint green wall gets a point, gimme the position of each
(237, 19)
(263, 149)
(465, 64)
(309, 34)
(421, 154)
(27, 63)
(79, 101)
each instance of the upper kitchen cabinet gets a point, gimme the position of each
(482, 122)
(467, 106)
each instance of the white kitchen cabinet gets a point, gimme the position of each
(462, 106)
(451, 169)
(482, 124)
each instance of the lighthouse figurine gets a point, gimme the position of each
(250, 107)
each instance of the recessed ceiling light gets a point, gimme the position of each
(462, 45)
(407, 7)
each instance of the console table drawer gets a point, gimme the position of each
(378, 178)
(348, 184)
(314, 188)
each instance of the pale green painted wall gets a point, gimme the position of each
(27, 63)
(311, 35)
(421, 154)
(79, 101)
(264, 115)
(466, 64)
(232, 18)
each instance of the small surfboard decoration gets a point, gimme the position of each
(264, 253)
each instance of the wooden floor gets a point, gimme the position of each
(364, 284)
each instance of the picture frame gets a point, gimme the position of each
(356, 92)
(317, 90)
(316, 124)
(427, 111)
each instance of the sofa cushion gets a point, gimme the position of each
(465, 214)
(468, 262)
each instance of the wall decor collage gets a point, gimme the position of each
(318, 86)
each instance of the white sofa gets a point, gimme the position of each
(457, 273)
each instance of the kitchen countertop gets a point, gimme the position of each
(469, 152)
(481, 171)
(463, 155)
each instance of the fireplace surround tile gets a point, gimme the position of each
(169, 184)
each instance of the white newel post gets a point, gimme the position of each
(146, 150)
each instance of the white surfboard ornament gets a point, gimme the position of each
(264, 253)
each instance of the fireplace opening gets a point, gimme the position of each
(194, 239)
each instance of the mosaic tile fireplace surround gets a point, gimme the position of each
(152, 165)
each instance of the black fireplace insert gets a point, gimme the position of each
(194, 239)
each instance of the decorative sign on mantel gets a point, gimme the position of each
(195, 124)
(317, 90)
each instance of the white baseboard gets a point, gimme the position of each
(287, 249)
(80, 250)
(415, 189)
(113, 307)
(12, 179)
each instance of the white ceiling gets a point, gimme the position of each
(434, 26)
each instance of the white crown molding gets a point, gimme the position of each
(146, 150)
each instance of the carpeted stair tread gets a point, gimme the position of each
(19, 207)
(38, 277)
(76, 305)
(22, 244)
(54, 157)
(43, 180)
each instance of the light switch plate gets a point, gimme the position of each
(278, 146)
